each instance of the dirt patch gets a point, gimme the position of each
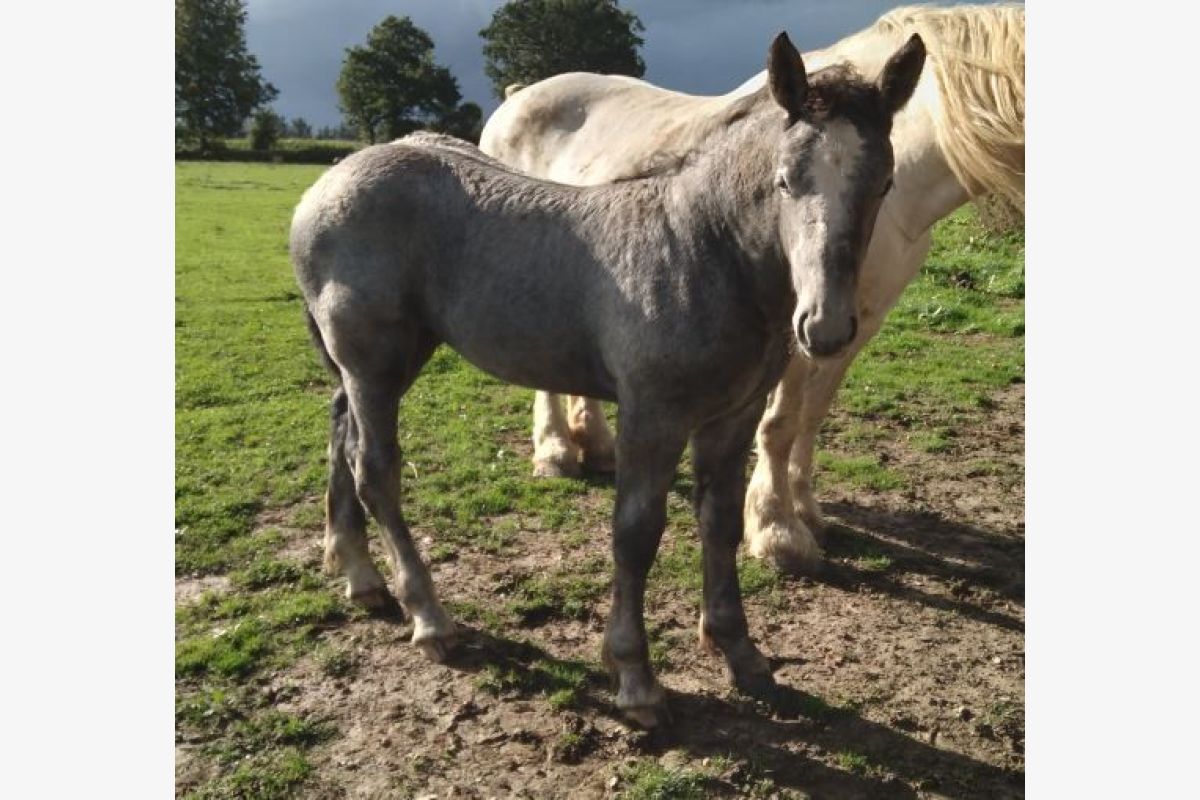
(904, 660)
(187, 589)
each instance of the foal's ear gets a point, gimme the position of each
(786, 76)
(901, 73)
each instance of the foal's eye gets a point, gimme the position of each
(781, 183)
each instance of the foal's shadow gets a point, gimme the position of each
(774, 737)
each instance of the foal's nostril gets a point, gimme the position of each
(853, 327)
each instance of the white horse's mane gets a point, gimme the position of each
(978, 55)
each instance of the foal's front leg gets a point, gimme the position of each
(648, 451)
(719, 452)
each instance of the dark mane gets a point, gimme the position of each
(839, 91)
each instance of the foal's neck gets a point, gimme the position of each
(725, 197)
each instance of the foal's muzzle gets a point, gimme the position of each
(822, 336)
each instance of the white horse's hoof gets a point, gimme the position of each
(808, 510)
(556, 465)
(788, 544)
(600, 463)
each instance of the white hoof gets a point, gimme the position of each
(599, 462)
(436, 637)
(556, 460)
(808, 509)
(437, 650)
(787, 543)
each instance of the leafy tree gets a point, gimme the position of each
(265, 129)
(392, 86)
(217, 82)
(529, 40)
(465, 122)
(300, 129)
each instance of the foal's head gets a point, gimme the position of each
(833, 168)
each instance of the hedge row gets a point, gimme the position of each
(287, 151)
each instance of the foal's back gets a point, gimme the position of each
(540, 284)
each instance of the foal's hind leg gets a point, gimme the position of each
(374, 402)
(719, 452)
(649, 444)
(346, 524)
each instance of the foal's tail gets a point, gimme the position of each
(319, 343)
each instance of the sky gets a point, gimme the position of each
(694, 46)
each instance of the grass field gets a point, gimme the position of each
(251, 416)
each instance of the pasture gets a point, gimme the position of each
(906, 654)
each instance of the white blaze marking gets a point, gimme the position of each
(824, 214)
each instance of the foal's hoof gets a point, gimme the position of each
(378, 602)
(757, 683)
(649, 717)
(437, 649)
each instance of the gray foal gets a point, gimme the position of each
(679, 296)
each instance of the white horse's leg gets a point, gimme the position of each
(589, 430)
(772, 530)
(554, 454)
(819, 391)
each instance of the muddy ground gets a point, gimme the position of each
(905, 669)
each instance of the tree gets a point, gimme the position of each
(529, 40)
(217, 82)
(392, 86)
(265, 129)
(300, 129)
(465, 122)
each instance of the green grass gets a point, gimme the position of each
(562, 682)
(297, 144)
(251, 411)
(853, 762)
(648, 780)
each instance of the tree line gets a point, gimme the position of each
(390, 85)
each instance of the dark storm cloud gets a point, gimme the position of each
(696, 46)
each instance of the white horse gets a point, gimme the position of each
(961, 136)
